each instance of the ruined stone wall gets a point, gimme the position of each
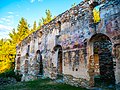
(73, 33)
(110, 25)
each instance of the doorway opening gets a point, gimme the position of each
(58, 50)
(39, 59)
(103, 60)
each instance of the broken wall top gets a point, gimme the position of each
(78, 10)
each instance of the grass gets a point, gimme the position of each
(40, 84)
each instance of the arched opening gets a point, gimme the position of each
(58, 50)
(40, 34)
(59, 25)
(102, 69)
(39, 59)
(26, 66)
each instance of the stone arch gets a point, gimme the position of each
(40, 34)
(58, 51)
(101, 60)
(96, 36)
(59, 26)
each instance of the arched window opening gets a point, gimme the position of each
(26, 66)
(58, 49)
(59, 26)
(39, 59)
(28, 49)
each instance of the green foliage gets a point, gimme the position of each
(34, 27)
(8, 46)
(73, 5)
(45, 20)
(11, 73)
(48, 17)
(23, 30)
(7, 55)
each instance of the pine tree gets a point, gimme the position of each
(73, 5)
(46, 19)
(23, 29)
(34, 27)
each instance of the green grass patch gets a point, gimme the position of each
(40, 84)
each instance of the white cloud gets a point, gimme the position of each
(10, 12)
(3, 19)
(3, 27)
(16, 15)
(10, 16)
(8, 20)
(6, 24)
(40, 0)
(4, 31)
(4, 35)
(32, 1)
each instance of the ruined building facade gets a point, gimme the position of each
(82, 45)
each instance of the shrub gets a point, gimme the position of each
(11, 73)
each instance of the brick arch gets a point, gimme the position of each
(100, 59)
(97, 35)
(57, 47)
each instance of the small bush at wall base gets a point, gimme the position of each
(10, 73)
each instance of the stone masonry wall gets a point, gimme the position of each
(73, 33)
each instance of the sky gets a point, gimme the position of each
(11, 12)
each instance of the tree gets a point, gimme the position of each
(73, 5)
(23, 29)
(14, 37)
(7, 55)
(34, 27)
(40, 24)
(45, 20)
(22, 32)
(48, 17)
(8, 47)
